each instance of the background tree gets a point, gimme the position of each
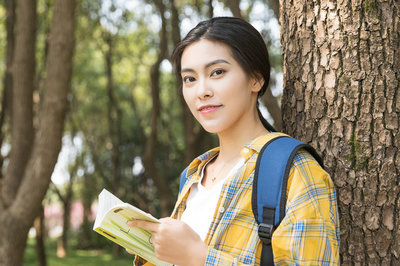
(341, 64)
(33, 156)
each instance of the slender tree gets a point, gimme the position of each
(38, 224)
(66, 200)
(341, 64)
(28, 175)
(114, 113)
(149, 157)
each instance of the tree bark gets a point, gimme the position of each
(23, 67)
(16, 219)
(341, 64)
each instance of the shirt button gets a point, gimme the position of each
(221, 209)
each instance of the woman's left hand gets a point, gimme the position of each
(174, 241)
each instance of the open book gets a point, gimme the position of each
(112, 216)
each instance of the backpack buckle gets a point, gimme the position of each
(265, 232)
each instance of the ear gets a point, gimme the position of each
(257, 82)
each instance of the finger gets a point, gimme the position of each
(130, 252)
(146, 225)
(166, 220)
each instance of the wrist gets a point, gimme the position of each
(200, 254)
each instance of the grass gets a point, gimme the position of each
(75, 257)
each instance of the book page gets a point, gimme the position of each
(106, 201)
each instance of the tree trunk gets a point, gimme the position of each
(149, 157)
(7, 89)
(234, 6)
(210, 11)
(87, 199)
(62, 244)
(40, 248)
(341, 94)
(18, 211)
(114, 116)
(21, 116)
(274, 5)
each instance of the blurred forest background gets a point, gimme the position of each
(89, 100)
(126, 128)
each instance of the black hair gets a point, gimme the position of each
(247, 46)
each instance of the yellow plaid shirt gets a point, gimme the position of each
(308, 234)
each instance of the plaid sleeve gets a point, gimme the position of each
(309, 233)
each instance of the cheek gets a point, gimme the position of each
(188, 97)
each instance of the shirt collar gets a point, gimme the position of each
(257, 143)
(254, 145)
(247, 151)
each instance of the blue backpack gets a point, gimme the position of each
(271, 175)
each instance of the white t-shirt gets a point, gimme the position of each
(201, 203)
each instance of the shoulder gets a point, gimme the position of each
(310, 187)
(308, 171)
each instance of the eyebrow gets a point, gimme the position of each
(218, 61)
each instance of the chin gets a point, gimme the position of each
(214, 129)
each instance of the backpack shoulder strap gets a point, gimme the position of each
(183, 179)
(270, 184)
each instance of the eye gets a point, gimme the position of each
(188, 79)
(217, 72)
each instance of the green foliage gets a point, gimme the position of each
(134, 37)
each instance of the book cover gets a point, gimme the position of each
(111, 218)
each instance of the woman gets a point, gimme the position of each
(225, 68)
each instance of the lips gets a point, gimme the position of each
(208, 108)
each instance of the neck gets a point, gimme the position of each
(232, 142)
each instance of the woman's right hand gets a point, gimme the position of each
(174, 241)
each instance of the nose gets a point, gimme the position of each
(204, 89)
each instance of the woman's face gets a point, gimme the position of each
(219, 93)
